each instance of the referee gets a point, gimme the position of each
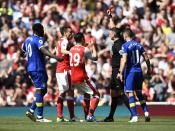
(117, 87)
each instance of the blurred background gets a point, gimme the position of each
(153, 22)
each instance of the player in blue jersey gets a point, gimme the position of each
(34, 48)
(130, 67)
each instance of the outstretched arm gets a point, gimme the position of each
(22, 53)
(65, 52)
(91, 53)
(111, 22)
(48, 53)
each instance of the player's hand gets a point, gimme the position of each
(59, 59)
(120, 77)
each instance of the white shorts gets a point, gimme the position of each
(64, 81)
(86, 87)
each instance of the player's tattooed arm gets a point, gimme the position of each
(48, 53)
(22, 53)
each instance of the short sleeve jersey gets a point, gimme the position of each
(35, 58)
(77, 64)
(134, 50)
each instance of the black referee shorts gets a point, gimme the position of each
(116, 84)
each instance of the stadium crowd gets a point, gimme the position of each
(153, 22)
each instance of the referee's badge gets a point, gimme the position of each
(121, 52)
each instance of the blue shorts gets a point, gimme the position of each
(133, 81)
(39, 79)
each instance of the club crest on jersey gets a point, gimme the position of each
(41, 42)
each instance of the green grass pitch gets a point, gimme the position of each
(120, 124)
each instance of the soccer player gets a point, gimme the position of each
(133, 77)
(79, 77)
(63, 75)
(35, 49)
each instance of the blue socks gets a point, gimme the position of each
(39, 105)
(142, 103)
(33, 107)
(132, 106)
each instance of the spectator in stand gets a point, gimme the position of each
(159, 86)
(171, 91)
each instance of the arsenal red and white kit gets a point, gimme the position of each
(63, 68)
(63, 65)
(79, 76)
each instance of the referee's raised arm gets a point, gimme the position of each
(111, 21)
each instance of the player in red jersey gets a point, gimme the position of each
(63, 75)
(79, 77)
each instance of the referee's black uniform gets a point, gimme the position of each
(114, 83)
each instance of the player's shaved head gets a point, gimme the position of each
(38, 29)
